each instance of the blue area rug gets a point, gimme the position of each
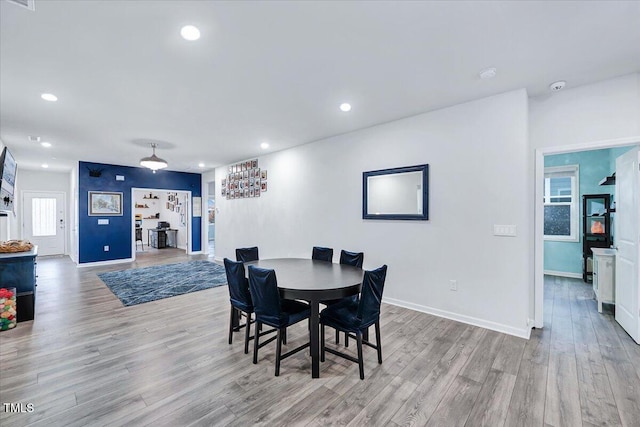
(140, 285)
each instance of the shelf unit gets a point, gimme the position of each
(596, 229)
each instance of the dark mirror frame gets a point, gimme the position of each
(425, 193)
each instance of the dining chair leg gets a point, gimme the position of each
(231, 325)
(360, 363)
(337, 337)
(378, 342)
(284, 336)
(256, 338)
(322, 342)
(279, 349)
(247, 334)
(346, 339)
(365, 334)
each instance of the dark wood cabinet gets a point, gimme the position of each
(596, 229)
(18, 270)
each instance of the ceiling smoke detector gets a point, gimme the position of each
(488, 73)
(556, 86)
(33, 138)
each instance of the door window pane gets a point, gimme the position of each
(43, 214)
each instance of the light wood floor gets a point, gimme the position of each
(86, 360)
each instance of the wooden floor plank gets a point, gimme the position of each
(168, 362)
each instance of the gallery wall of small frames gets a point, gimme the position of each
(244, 180)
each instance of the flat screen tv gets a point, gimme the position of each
(7, 180)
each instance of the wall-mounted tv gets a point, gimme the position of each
(7, 180)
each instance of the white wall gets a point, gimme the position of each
(478, 157)
(35, 180)
(72, 221)
(606, 110)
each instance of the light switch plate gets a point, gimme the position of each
(504, 230)
(119, 177)
(103, 222)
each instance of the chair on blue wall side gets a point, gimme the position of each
(241, 302)
(273, 311)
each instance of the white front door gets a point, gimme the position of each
(43, 221)
(627, 240)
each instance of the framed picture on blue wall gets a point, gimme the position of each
(104, 203)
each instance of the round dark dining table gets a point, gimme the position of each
(313, 281)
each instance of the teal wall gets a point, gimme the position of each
(594, 166)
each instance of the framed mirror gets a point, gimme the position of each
(398, 193)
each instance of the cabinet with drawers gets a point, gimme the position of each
(18, 270)
(604, 285)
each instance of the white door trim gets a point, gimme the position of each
(538, 287)
(65, 234)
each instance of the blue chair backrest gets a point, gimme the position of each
(371, 295)
(352, 258)
(238, 285)
(322, 254)
(247, 254)
(266, 297)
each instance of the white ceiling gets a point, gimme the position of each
(276, 71)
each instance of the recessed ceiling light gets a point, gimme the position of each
(189, 32)
(556, 86)
(45, 144)
(488, 73)
(264, 145)
(200, 165)
(44, 165)
(345, 107)
(49, 97)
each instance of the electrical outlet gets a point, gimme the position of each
(106, 248)
(453, 285)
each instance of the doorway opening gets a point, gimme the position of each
(161, 221)
(567, 180)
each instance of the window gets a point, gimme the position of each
(43, 214)
(561, 203)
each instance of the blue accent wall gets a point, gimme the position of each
(594, 166)
(118, 234)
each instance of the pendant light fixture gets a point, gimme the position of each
(154, 162)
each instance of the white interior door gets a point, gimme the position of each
(44, 221)
(627, 240)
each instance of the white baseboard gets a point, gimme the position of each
(563, 274)
(218, 259)
(196, 253)
(498, 327)
(99, 263)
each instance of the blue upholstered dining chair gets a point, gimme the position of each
(355, 316)
(352, 258)
(240, 298)
(273, 311)
(247, 254)
(322, 254)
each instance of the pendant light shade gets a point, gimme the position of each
(153, 162)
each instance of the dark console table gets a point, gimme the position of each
(18, 270)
